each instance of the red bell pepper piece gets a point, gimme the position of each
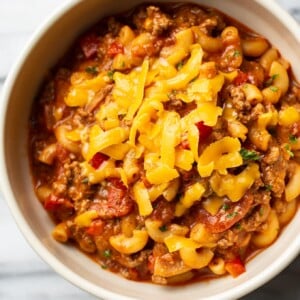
(114, 49)
(204, 130)
(241, 78)
(235, 267)
(117, 183)
(98, 159)
(96, 228)
(54, 203)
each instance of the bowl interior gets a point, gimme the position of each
(21, 88)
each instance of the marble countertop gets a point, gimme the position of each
(23, 275)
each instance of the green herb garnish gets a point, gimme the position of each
(110, 74)
(107, 253)
(92, 70)
(293, 139)
(268, 187)
(85, 180)
(226, 206)
(288, 150)
(179, 66)
(271, 79)
(231, 215)
(104, 267)
(274, 88)
(236, 53)
(249, 154)
(163, 228)
(261, 211)
(238, 226)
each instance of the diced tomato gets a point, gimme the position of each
(89, 45)
(114, 49)
(54, 203)
(241, 78)
(204, 130)
(117, 183)
(235, 267)
(98, 159)
(96, 228)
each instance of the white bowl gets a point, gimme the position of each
(45, 48)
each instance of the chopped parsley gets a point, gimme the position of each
(261, 211)
(236, 53)
(238, 226)
(179, 66)
(226, 206)
(271, 79)
(107, 253)
(110, 74)
(85, 180)
(92, 70)
(163, 228)
(104, 267)
(268, 187)
(232, 215)
(249, 154)
(288, 150)
(274, 88)
(293, 139)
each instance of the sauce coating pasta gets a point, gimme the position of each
(166, 144)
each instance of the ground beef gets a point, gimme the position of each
(133, 261)
(257, 110)
(272, 155)
(238, 98)
(247, 111)
(186, 16)
(85, 241)
(156, 22)
(258, 217)
(274, 174)
(152, 20)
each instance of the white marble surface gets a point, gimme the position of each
(23, 275)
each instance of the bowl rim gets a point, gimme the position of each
(274, 269)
